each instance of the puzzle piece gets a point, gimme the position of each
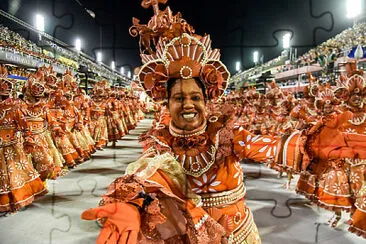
(61, 17)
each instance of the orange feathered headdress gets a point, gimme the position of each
(325, 96)
(178, 53)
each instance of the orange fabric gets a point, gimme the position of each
(256, 147)
(331, 202)
(303, 187)
(358, 223)
(161, 178)
(22, 196)
(122, 224)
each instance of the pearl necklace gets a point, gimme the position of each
(174, 131)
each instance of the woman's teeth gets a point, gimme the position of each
(189, 116)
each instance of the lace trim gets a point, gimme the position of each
(243, 230)
(201, 222)
(358, 120)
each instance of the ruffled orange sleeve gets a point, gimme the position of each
(256, 147)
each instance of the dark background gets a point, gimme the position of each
(237, 27)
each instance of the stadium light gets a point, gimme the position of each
(39, 22)
(78, 44)
(129, 74)
(286, 40)
(99, 57)
(237, 66)
(122, 70)
(255, 57)
(113, 65)
(354, 8)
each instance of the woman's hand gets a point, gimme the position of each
(122, 223)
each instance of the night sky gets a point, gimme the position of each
(237, 27)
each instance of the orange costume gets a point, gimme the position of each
(98, 114)
(354, 126)
(81, 102)
(74, 120)
(40, 123)
(114, 121)
(19, 181)
(62, 141)
(331, 153)
(188, 187)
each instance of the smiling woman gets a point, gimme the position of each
(187, 104)
(187, 187)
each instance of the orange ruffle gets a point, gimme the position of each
(333, 203)
(305, 188)
(358, 223)
(21, 197)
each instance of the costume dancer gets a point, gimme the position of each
(19, 181)
(188, 185)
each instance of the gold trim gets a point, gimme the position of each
(224, 198)
(196, 172)
(243, 230)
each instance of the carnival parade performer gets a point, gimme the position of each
(188, 185)
(40, 124)
(99, 113)
(19, 181)
(62, 141)
(335, 178)
(82, 103)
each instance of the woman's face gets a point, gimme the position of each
(187, 105)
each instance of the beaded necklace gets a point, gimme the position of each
(180, 133)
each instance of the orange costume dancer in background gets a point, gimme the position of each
(19, 181)
(73, 119)
(331, 153)
(121, 111)
(98, 113)
(139, 107)
(114, 121)
(82, 103)
(40, 123)
(354, 91)
(188, 185)
(62, 141)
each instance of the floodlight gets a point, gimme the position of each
(39, 22)
(99, 57)
(78, 44)
(255, 56)
(286, 40)
(354, 8)
(237, 66)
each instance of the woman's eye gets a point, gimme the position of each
(179, 99)
(196, 98)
